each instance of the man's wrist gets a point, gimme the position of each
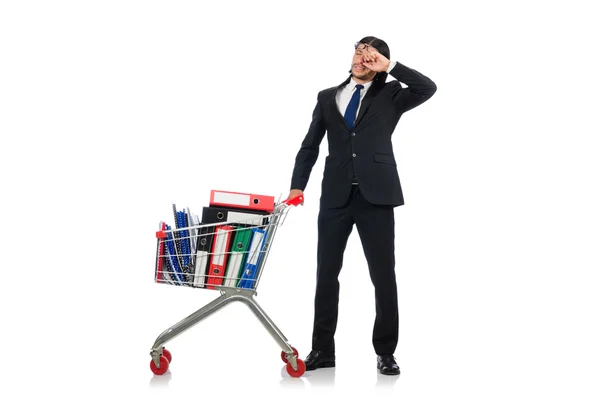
(391, 66)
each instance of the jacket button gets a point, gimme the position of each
(353, 134)
(353, 154)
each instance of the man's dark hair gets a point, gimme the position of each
(384, 50)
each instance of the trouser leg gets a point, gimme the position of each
(375, 225)
(334, 228)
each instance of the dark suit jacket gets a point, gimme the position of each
(366, 150)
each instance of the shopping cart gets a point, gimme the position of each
(226, 256)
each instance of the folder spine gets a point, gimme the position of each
(220, 254)
(175, 269)
(239, 252)
(242, 200)
(204, 242)
(253, 259)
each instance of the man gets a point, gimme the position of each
(360, 186)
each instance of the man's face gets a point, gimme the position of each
(359, 70)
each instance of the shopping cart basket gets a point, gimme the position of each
(229, 257)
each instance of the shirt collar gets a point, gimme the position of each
(353, 84)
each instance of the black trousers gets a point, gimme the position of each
(375, 225)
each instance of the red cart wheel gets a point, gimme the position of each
(283, 354)
(164, 366)
(167, 355)
(296, 373)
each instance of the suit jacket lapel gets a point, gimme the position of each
(366, 102)
(334, 106)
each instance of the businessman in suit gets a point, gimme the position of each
(360, 187)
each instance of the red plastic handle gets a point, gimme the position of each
(295, 200)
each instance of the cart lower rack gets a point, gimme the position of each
(227, 256)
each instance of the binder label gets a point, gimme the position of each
(235, 199)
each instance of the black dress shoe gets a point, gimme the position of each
(386, 364)
(318, 359)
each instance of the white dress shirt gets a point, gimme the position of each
(343, 96)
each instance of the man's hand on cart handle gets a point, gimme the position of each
(295, 197)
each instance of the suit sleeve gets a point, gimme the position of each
(420, 88)
(309, 150)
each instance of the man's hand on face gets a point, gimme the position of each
(375, 61)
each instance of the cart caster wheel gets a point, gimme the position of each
(164, 366)
(283, 354)
(296, 373)
(167, 354)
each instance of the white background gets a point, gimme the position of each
(110, 111)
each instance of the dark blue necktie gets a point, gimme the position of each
(350, 114)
